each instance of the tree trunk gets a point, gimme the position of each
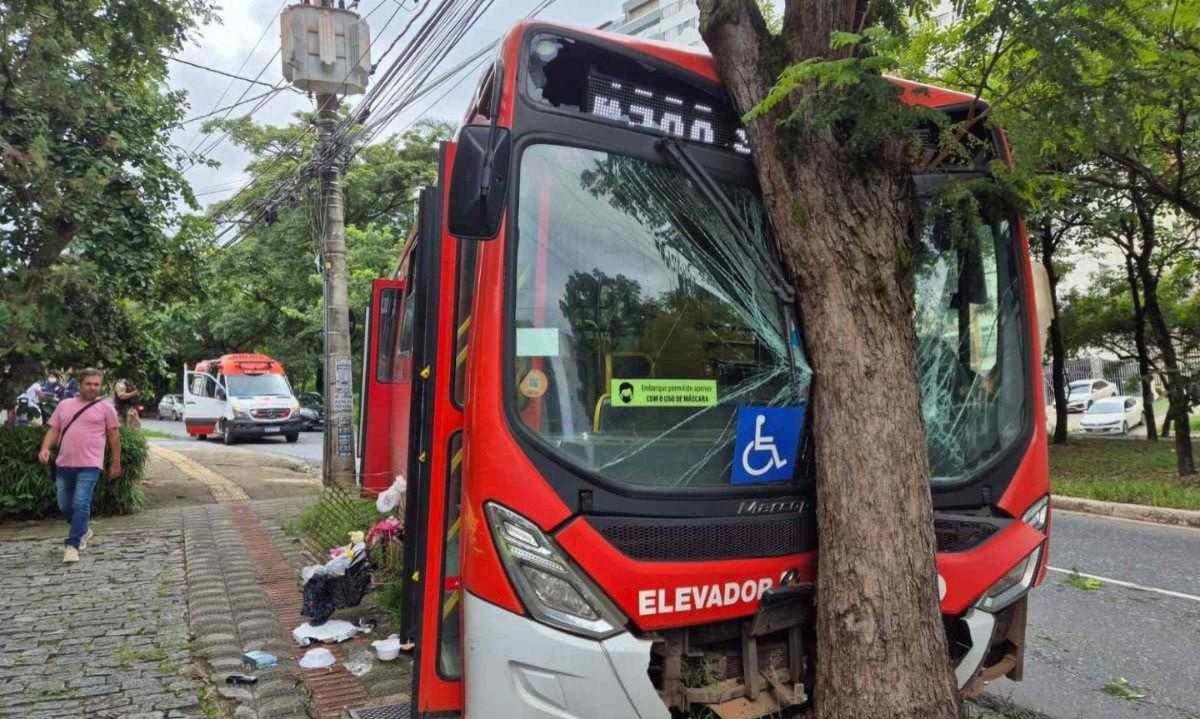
(1177, 384)
(1058, 347)
(881, 647)
(1143, 350)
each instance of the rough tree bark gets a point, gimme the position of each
(844, 230)
(1058, 347)
(1143, 350)
(1177, 391)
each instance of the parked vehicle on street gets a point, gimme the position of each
(312, 411)
(596, 402)
(170, 407)
(240, 396)
(1082, 393)
(1112, 415)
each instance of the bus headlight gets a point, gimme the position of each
(552, 588)
(1038, 514)
(241, 414)
(1013, 584)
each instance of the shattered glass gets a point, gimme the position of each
(625, 273)
(970, 348)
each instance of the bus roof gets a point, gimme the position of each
(701, 63)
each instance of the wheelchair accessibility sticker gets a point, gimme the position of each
(768, 440)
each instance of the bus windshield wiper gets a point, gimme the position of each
(770, 268)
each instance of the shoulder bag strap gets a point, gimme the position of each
(86, 407)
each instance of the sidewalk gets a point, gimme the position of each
(162, 606)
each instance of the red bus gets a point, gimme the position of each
(586, 370)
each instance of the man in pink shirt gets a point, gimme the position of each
(81, 425)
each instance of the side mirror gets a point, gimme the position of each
(220, 393)
(479, 182)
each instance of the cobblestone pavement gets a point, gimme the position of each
(106, 637)
(231, 614)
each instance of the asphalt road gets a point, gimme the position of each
(1080, 640)
(307, 449)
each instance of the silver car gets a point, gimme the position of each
(1082, 393)
(170, 407)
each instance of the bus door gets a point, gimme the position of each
(203, 403)
(384, 409)
(431, 616)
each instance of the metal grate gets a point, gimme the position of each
(698, 539)
(387, 711)
(960, 534)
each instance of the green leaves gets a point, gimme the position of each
(27, 490)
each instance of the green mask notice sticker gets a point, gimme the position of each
(663, 392)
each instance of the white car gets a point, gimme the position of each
(1082, 393)
(1112, 415)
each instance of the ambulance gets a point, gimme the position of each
(240, 396)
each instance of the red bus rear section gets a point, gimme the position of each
(583, 374)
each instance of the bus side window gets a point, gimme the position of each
(403, 345)
(389, 302)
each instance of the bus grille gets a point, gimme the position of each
(959, 534)
(683, 540)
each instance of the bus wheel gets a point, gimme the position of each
(227, 434)
(291, 438)
(202, 437)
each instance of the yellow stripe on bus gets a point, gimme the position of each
(456, 460)
(466, 323)
(450, 603)
(455, 528)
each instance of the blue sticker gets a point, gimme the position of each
(768, 442)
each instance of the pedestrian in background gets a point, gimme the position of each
(79, 427)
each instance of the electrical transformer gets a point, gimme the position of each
(325, 50)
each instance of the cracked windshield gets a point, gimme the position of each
(969, 338)
(640, 327)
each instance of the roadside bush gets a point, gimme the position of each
(26, 489)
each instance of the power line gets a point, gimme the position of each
(190, 120)
(219, 72)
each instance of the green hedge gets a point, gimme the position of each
(26, 489)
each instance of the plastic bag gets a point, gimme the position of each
(331, 632)
(391, 497)
(319, 658)
(359, 663)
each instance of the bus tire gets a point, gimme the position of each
(202, 437)
(292, 437)
(227, 434)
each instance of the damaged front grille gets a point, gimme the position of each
(745, 668)
(960, 532)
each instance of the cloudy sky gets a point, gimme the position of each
(247, 36)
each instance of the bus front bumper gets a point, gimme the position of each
(516, 667)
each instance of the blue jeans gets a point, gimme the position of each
(75, 486)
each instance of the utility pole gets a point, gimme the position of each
(338, 454)
(337, 64)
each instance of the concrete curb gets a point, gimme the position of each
(1140, 512)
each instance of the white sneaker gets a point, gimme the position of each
(83, 542)
(70, 554)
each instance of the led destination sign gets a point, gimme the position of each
(671, 114)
